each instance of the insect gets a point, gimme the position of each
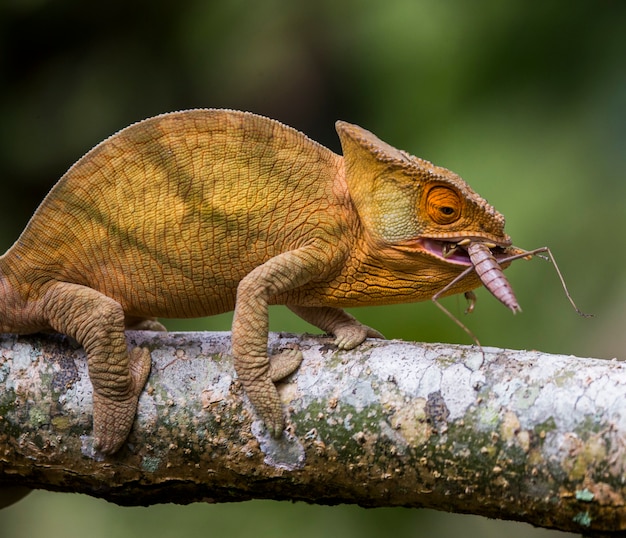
(488, 267)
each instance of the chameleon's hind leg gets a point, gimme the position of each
(118, 377)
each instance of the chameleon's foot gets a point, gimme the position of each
(258, 376)
(284, 363)
(349, 336)
(114, 417)
(266, 402)
(146, 324)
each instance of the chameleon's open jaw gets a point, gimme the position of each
(454, 250)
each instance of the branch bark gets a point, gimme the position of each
(518, 435)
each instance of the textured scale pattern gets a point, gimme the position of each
(199, 212)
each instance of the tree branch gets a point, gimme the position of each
(516, 435)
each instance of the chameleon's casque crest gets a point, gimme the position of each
(401, 197)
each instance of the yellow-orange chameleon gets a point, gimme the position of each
(200, 212)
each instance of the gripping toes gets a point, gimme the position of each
(113, 417)
(258, 376)
(265, 399)
(284, 363)
(140, 364)
(351, 335)
(112, 420)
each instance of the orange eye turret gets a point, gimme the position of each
(443, 205)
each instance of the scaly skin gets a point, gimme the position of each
(200, 212)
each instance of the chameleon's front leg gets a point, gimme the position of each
(250, 327)
(118, 377)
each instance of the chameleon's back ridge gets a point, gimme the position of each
(200, 212)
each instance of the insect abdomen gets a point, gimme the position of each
(490, 273)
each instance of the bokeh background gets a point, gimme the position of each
(526, 100)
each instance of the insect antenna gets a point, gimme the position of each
(548, 257)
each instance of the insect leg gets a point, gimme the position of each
(549, 257)
(458, 322)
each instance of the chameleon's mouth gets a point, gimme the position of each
(454, 251)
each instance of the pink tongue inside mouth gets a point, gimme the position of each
(458, 256)
(446, 251)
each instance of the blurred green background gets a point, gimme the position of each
(525, 100)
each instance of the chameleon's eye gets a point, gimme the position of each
(443, 205)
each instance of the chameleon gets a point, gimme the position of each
(199, 212)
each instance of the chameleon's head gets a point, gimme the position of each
(408, 205)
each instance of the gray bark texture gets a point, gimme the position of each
(517, 435)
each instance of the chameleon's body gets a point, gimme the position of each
(200, 212)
